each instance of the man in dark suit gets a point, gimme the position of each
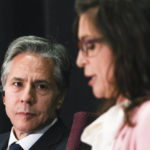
(35, 76)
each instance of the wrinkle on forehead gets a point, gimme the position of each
(26, 64)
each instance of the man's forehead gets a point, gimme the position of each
(24, 65)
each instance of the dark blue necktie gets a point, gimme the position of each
(15, 146)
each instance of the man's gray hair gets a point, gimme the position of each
(45, 48)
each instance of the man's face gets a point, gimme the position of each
(31, 93)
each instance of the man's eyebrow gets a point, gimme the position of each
(17, 79)
(41, 81)
(49, 83)
(35, 81)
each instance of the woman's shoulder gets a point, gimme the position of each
(144, 109)
(142, 115)
(141, 130)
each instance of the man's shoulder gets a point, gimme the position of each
(4, 135)
(58, 131)
(54, 138)
(4, 139)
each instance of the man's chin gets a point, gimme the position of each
(26, 128)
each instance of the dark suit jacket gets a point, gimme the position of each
(54, 139)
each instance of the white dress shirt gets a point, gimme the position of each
(27, 142)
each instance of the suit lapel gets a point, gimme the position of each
(52, 138)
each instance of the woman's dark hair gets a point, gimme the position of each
(125, 25)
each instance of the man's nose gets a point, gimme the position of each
(81, 59)
(28, 94)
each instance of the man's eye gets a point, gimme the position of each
(42, 86)
(18, 84)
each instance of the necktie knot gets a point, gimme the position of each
(15, 146)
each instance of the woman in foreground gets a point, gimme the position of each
(114, 51)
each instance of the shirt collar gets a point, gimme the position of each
(29, 140)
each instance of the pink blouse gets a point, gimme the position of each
(137, 137)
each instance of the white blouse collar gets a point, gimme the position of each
(101, 133)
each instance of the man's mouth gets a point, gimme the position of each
(26, 114)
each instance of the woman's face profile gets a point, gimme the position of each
(97, 62)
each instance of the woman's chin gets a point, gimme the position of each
(97, 94)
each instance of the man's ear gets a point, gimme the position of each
(3, 96)
(4, 100)
(3, 93)
(60, 101)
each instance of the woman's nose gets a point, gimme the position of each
(81, 59)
